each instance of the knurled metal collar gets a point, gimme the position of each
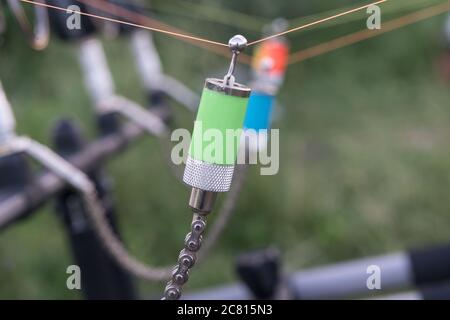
(236, 90)
(208, 176)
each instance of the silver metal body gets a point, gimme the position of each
(237, 44)
(235, 89)
(202, 201)
(208, 176)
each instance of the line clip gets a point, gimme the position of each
(237, 44)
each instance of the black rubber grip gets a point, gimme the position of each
(260, 272)
(431, 265)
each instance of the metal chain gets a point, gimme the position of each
(193, 250)
(187, 258)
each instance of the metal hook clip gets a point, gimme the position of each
(237, 44)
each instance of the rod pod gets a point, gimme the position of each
(102, 277)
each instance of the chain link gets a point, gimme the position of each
(186, 259)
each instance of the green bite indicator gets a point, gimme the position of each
(216, 135)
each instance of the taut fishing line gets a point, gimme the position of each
(359, 36)
(191, 37)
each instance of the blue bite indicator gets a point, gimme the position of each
(259, 111)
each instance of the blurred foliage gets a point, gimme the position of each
(364, 158)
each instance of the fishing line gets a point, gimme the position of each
(170, 33)
(214, 14)
(316, 22)
(356, 37)
(392, 7)
(119, 11)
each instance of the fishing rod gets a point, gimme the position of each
(38, 35)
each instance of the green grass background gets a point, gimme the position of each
(365, 161)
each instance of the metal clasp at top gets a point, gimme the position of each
(237, 44)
